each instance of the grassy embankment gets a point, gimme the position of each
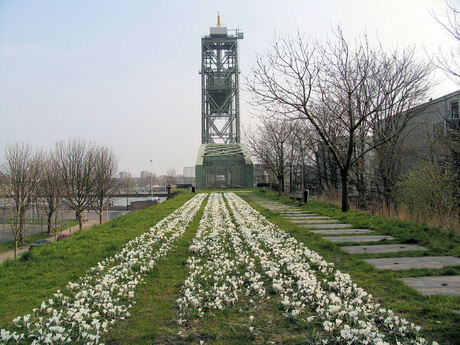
(7, 246)
(434, 313)
(24, 283)
(153, 317)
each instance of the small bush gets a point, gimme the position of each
(26, 256)
(430, 192)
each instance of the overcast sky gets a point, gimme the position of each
(125, 73)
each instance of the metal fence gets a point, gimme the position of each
(36, 220)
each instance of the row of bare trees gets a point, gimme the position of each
(349, 98)
(76, 173)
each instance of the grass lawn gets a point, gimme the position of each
(24, 283)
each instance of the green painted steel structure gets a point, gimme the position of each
(223, 166)
(222, 161)
(220, 113)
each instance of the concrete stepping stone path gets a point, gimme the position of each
(382, 248)
(397, 264)
(342, 232)
(357, 238)
(439, 285)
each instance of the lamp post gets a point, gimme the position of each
(303, 145)
(151, 179)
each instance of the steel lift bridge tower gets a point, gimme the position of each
(222, 161)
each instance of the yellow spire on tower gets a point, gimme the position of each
(218, 19)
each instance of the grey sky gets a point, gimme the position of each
(125, 73)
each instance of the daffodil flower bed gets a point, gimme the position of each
(237, 258)
(83, 311)
(249, 256)
(221, 268)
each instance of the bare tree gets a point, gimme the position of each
(171, 176)
(50, 187)
(270, 147)
(449, 61)
(77, 161)
(105, 183)
(344, 92)
(21, 169)
(147, 180)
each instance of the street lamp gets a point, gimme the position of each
(151, 180)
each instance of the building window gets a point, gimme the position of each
(454, 110)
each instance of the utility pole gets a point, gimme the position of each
(151, 180)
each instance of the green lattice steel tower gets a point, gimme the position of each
(220, 108)
(222, 161)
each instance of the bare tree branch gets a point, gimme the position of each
(21, 169)
(105, 182)
(77, 161)
(345, 92)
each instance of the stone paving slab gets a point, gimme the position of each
(315, 221)
(397, 264)
(287, 209)
(439, 285)
(297, 214)
(306, 217)
(280, 206)
(284, 205)
(382, 248)
(301, 214)
(357, 238)
(276, 209)
(274, 204)
(342, 232)
(325, 226)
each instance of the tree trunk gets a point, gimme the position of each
(15, 248)
(318, 166)
(101, 213)
(80, 220)
(280, 185)
(21, 228)
(345, 201)
(50, 216)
